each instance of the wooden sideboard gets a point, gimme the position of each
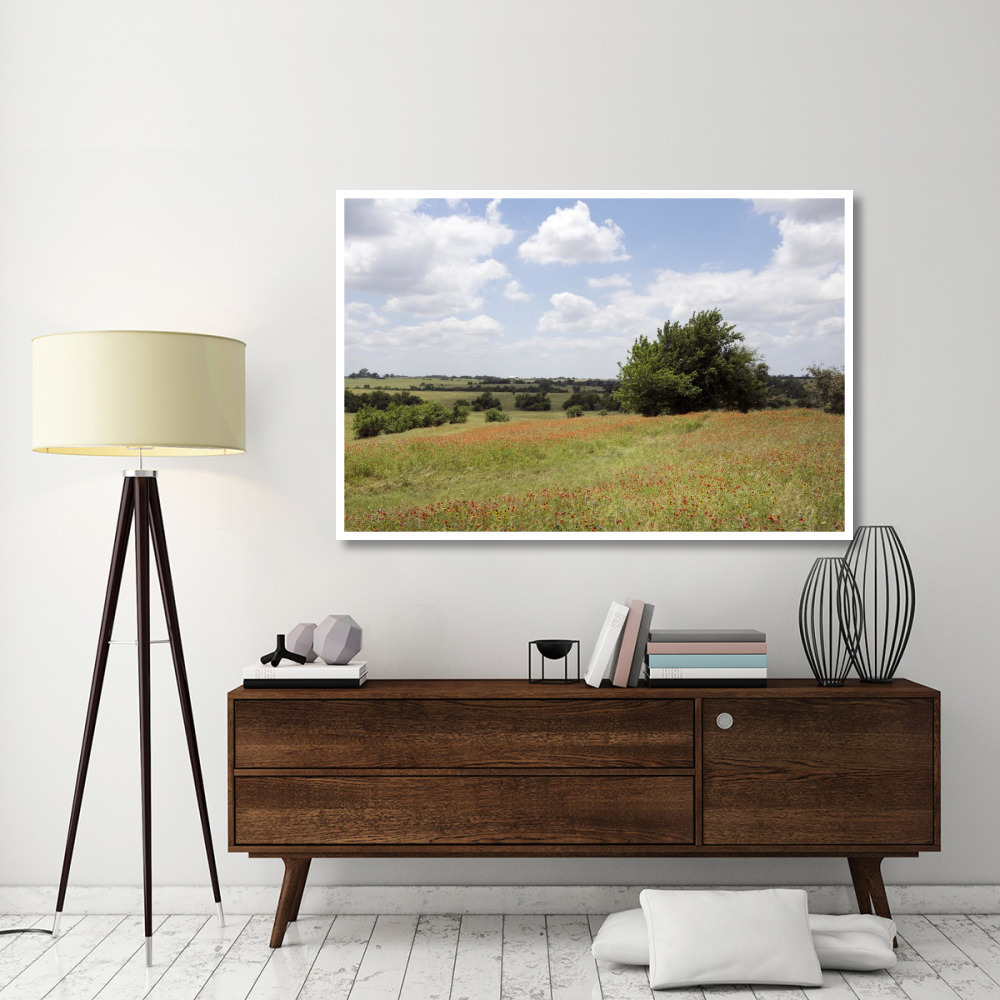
(465, 768)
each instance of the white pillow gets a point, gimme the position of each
(622, 938)
(860, 942)
(714, 936)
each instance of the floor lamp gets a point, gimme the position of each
(139, 393)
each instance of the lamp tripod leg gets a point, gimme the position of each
(142, 622)
(183, 689)
(125, 514)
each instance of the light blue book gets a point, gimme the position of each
(724, 661)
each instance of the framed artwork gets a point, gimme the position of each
(610, 365)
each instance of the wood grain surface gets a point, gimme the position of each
(486, 732)
(510, 808)
(801, 771)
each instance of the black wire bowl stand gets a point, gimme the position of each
(551, 650)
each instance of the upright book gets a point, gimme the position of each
(630, 640)
(639, 657)
(603, 656)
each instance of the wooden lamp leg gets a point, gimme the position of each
(159, 539)
(141, 545)
(125, 514)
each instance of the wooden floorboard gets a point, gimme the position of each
(433, 957)
(479, 960)
(234, 977)
(525, 959)
(380, 975)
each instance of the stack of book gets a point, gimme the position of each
(727, 657)
(620, 652)
(306, 675)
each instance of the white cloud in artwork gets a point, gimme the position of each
(515, 292)
(422, 276)
(622, 319)
(570, 236)
(573, 313)
(448, 335)
(812, 231)
(428, 265)
(802, 209)
(611, 281)
(795, 300)
(532, 349)
(362, 316)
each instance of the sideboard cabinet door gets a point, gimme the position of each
(818, 771)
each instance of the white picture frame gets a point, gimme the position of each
(422, 273)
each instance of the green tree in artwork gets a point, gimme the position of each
(486, 401)
(826, 387)
(702, 364)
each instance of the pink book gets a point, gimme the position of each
(630, 636)
(706, 647)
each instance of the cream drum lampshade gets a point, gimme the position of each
(113, 392)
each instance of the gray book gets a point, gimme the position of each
(706, 635)
(639, 655)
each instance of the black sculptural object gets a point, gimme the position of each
(279, 653)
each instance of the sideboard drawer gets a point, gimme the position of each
(449, 733)
(484, 808)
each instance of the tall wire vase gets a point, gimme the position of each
(882, 572)
(829, 620)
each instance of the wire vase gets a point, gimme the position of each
(884, 579)
(829, 620)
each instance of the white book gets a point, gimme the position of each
(707, 673)
(601, 660)
(307, 671)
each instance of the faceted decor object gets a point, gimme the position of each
(337, 639)
(300, 640)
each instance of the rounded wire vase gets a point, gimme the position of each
(888, 599)
(829, 620)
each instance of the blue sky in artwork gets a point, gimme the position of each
(563, 286)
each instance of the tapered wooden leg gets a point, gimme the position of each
(861, 889)
(297, 902)
(294, 882)
(866, 873)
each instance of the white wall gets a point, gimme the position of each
(173, 166)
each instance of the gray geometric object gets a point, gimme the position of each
(337, 639)
(300, 640)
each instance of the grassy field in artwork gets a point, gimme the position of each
(768, 470)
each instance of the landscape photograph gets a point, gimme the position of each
(603, 365)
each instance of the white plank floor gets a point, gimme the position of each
(490, 957)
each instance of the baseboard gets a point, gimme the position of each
(459, 899)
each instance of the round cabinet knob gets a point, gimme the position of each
(724, 720)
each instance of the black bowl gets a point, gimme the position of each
(554, 649)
